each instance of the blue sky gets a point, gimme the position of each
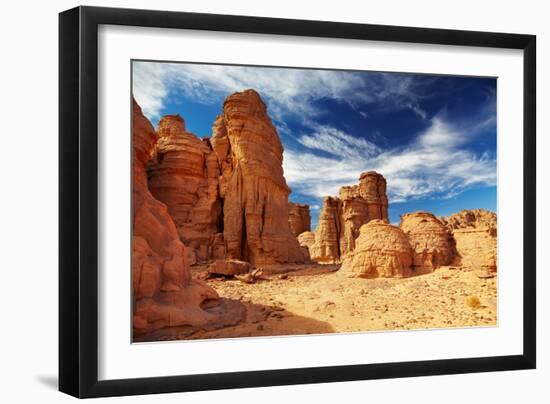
(432, 137)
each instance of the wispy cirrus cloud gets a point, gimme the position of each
(287, 91)
(435, 164)
(338, 143)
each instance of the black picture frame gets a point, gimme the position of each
(78, 201)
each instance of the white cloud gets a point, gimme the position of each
(287, 91)
(433, 165)
(338, 143)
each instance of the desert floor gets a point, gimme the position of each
(318, 299)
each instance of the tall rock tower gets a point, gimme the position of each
(253, 189)
(342, 217)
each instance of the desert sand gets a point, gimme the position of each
(317, 299)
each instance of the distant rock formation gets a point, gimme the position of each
(431, 241)
(164, 294)
(342, 217)
(475, 233)
(471, 219)
(361, 204)
(299, 218)
(326, 249)
(183, 174)
(306, 241)
(382, 250)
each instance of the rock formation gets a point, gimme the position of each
(361, 204)
(306, 241)
(252, 187)
(382, 250)
(229, 267)
(431, 241)
(475, 233)
(342, 217)
(326, 249)
(471, 219)
(299, 218)
(227, 195)
(183, 174)
(164, 294)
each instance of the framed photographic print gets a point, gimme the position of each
(251, 201)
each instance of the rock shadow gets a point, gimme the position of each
(238, 319)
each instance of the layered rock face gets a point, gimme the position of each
(252, 187)
(341, 218)
(299, 218)
(183, 174)
(306, 239)
(431, 241)
(361, 204)
(164, 294)
(326, 248)
(382, 250)
(475, 233)
(471, 219)
(227, 195)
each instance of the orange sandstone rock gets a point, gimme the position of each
(306, 239)
(326, 249)
(430, 239)
(164, 294)
(361, 204)
(468, 219)
(229, 267)
(183, 174)
(252, 186)
(342, 217)
(382, 250)
(475, 233)
(299, 218)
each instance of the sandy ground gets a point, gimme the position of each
(318, 299)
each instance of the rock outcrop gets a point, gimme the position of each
(229, 267)
(253, 190)
(382, 250)
(475, 233)
(164, 294)
(183, 174)
(471, 219)
(342, 217)
(361, 204)
(326, 249)
(227, 195)
(306, 239)
(431, 241)
(299, 218)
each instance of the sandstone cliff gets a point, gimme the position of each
(227, 195)
(431, 241)
(342, 217)
(361, 204)
(253, 190)
(299, 218)
(164, 294)
(475, 233)
(326, 248)
(382, 250)
(183, 174)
